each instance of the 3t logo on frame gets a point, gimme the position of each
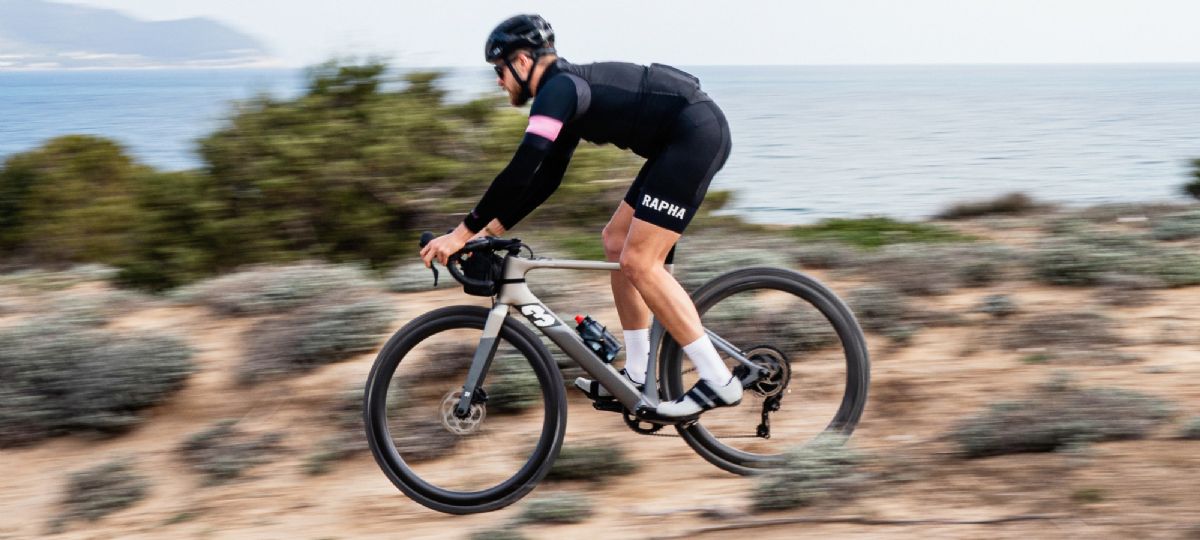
(538, 315)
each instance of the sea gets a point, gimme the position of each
(809, 142)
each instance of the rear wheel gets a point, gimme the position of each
(496, 453)
(814, 355)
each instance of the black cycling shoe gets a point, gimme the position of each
(594, 391)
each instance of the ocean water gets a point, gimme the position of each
(808, 142)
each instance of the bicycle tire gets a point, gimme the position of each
(806, 291)
(403, 474)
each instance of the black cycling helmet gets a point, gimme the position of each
(520, 32)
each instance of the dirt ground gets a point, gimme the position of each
(1131, 489)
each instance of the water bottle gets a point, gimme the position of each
(597, 338)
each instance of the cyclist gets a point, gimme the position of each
(661, 114)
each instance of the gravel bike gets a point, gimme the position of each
(465, 407)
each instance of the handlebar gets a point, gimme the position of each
(487, 243)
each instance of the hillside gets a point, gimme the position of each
(953, 362)
(49, 35)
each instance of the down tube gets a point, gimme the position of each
(565, 337)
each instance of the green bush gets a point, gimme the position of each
(821, 470)
(591, 461)
(503, 533)
(1057, 415)
(697, 268)
(321, 334)
(512, 386)
(414, 277)
(90, 308)
(879, 309)
(1084, 256)
(271, 289)
(99, 491)
(1193, 188)
(1191, 430)
(822, 255)
(926, 270)
(562, 508)
(998, 305)
(350, 171)
(1012, 203)
(875, 232)
(75, 183)
(1072, 335)
(222, 452)
(1181, 226)
(58, 378)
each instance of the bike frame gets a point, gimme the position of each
(514, 293)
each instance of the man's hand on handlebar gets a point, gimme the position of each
(442, 247)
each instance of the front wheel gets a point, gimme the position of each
(496, 453)
(814, 353)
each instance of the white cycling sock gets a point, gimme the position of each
(637, 353)
(707, 361)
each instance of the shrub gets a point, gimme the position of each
(320, 335)
(512, 385)
(821, 470)
(1181, 226)
(593, 462)
(560, 508)
(1069, 334)
(91, 308)
(59, 378)
(790, 327)
(345, 414)
(1191, 430)
(934, 270)
(498, 534)
(875, 232)
(998, 305)
(101, 490)
(1193, 188)
(53, 280)
(1012, 203)
(825, 255)
(422, 439)
(879, 309)
(1057, 415)
(1084, 257)
(270, 289)
(694, 271)
(1127, 289)
(223, 452)
(415, 278)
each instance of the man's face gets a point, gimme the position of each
(505, 79)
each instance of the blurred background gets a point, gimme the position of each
(208, 224)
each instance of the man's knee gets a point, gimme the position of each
(614, 242)
(636, 264)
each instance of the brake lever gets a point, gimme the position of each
(435, 274)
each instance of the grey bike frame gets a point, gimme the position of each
(514, 293)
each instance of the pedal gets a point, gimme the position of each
(608, 405)
(647, 414)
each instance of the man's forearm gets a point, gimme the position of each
(491, 229)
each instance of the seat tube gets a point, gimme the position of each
(483, 356)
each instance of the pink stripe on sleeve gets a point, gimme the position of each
(544, 126)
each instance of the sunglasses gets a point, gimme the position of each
(499, 70)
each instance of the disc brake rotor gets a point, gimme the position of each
(461, 426)
(779, 370)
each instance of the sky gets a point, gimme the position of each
(714, 32)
